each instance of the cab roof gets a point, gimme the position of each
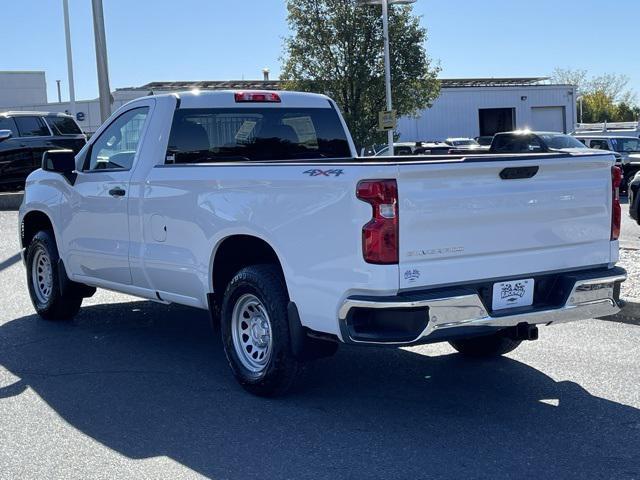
(226, 99)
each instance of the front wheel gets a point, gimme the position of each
(43, 281)
(255, 331)
(488, 346)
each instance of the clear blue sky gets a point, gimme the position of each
(231, 39)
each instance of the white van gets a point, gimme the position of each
(612, 129)
(626, 150)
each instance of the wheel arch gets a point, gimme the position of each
(237, 251)
(32, 222)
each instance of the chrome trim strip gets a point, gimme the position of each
(469, 311)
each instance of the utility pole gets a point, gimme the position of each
(387, 68)
(67, 34)
(581, 108)
(101, 59)
(59, 94)
(387, 58)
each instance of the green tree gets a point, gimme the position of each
(627, 113)
(336, 48)
(599, 107)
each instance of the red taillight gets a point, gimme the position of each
(380, 235)
(257, 97)
(616, 210)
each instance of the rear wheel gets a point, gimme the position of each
(255, 331)
(43, 281)
(488, 346)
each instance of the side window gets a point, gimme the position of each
(117, 145)
(32, 127)
(8, 124)
(535, 145)
(600, 144)
(517, 144)
(63, 126)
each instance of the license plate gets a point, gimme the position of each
(516, 293)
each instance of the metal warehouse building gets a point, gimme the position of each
(465, 108)
(485, 106)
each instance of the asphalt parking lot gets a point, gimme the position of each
(132, 389)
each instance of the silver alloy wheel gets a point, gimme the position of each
(251, 333)
(42, 275)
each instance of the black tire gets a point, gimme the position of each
(488, 346)
(53, 305)
(278, 375)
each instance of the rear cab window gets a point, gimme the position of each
(63, 126)
(32, 127)
(209, 135)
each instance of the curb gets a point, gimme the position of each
(10, 201)
(630, 312)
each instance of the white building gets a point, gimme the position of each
(22, 88)
(465, 108)
(485, 106)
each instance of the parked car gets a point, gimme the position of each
(463, 143)
(254, 206)
(433, 148)
(399, 149)
(25, 136)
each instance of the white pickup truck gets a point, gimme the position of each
(253, 205)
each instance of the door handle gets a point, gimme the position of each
(117, 192)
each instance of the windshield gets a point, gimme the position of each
(560, 141)
(626, 145)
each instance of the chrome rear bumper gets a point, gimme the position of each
(590, 297)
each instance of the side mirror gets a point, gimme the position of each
(60, 161)
(5, 135)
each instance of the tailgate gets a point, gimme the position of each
(462, 222)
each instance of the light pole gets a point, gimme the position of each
(101, 59)
(581, 99)
(67, 34)
(387, 59)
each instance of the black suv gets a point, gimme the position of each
(25, 136)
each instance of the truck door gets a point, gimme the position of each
(96, 227)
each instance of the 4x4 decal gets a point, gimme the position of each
(316, 172)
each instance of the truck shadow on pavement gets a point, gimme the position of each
(147, 380)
